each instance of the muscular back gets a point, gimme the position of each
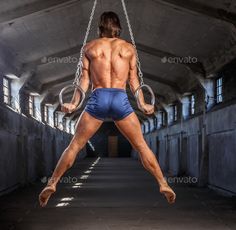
(109, 62)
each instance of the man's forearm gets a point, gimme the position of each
(133, 86)
(84, 84)
(76, 97)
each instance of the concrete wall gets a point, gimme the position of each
(208, 154)
(202, 146)
(221, 137)
(28, 149)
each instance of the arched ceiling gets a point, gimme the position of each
(33, 33)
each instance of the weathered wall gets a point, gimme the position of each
(221, 136)
(28, 149)
(202, 146)
(180, 147)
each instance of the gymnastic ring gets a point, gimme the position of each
(74, 86)
(136, 94)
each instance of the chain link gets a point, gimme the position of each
(133, 42)
(80, 63)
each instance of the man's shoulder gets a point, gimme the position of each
(126, 44)
(88, 44)
(119, 41)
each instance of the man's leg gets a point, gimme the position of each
(131, 129)
(85, 128)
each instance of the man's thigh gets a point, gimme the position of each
(86, 127)
(130, 127)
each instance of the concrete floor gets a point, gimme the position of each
(116, 194)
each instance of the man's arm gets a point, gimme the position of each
(134, 84)
(133, 77)
(84, 81)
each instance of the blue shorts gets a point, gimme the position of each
(108, 103)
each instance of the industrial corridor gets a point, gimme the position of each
(117, 115)
(103, 193)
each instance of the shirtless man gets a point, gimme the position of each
(108, 62)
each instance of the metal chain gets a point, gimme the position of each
(133, 42)
(80, 63)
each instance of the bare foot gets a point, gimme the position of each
(45, 195)
(168, 192)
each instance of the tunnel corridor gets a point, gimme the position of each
(115, 193)
(66, 64)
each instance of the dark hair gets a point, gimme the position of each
(109, 25)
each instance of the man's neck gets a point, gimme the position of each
(108, 37)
